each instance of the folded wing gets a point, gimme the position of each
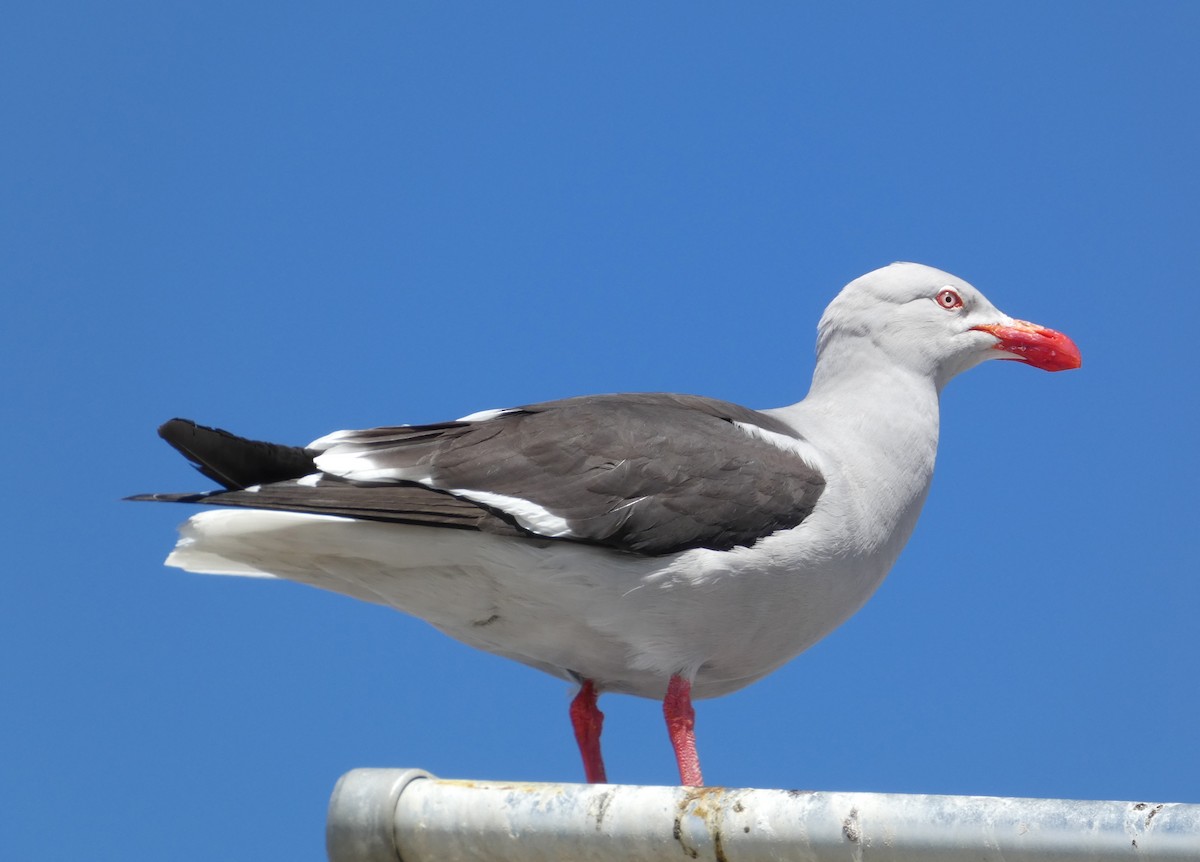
(645, 473)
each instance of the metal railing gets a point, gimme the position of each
(385, 815)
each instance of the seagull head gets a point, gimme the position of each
(933, 323)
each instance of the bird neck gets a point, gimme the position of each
(875, 427)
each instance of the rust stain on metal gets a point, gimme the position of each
(677, 833)
(600, 805)
(718, 846)
(507, 787)
(1153, 808)
(707, 803)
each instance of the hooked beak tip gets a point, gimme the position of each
(1036, 345)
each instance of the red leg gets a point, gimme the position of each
(588, 721)
(681, 725)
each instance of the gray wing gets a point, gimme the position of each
(644, 473)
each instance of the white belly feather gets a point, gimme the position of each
(625, 621)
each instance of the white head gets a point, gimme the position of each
(933, 323)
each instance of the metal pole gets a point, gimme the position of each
(386, 815)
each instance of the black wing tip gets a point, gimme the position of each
(178, 430)
(233, 461)
(169, 427)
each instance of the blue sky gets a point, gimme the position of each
(288, 219)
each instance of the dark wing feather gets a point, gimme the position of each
(393, 504)
(646, 473)
(233, 461)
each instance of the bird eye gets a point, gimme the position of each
(948, 298)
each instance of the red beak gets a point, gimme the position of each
(1040, 347)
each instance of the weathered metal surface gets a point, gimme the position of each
(362, 814)
(379, 815)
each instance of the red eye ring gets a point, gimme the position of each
(949, 299)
